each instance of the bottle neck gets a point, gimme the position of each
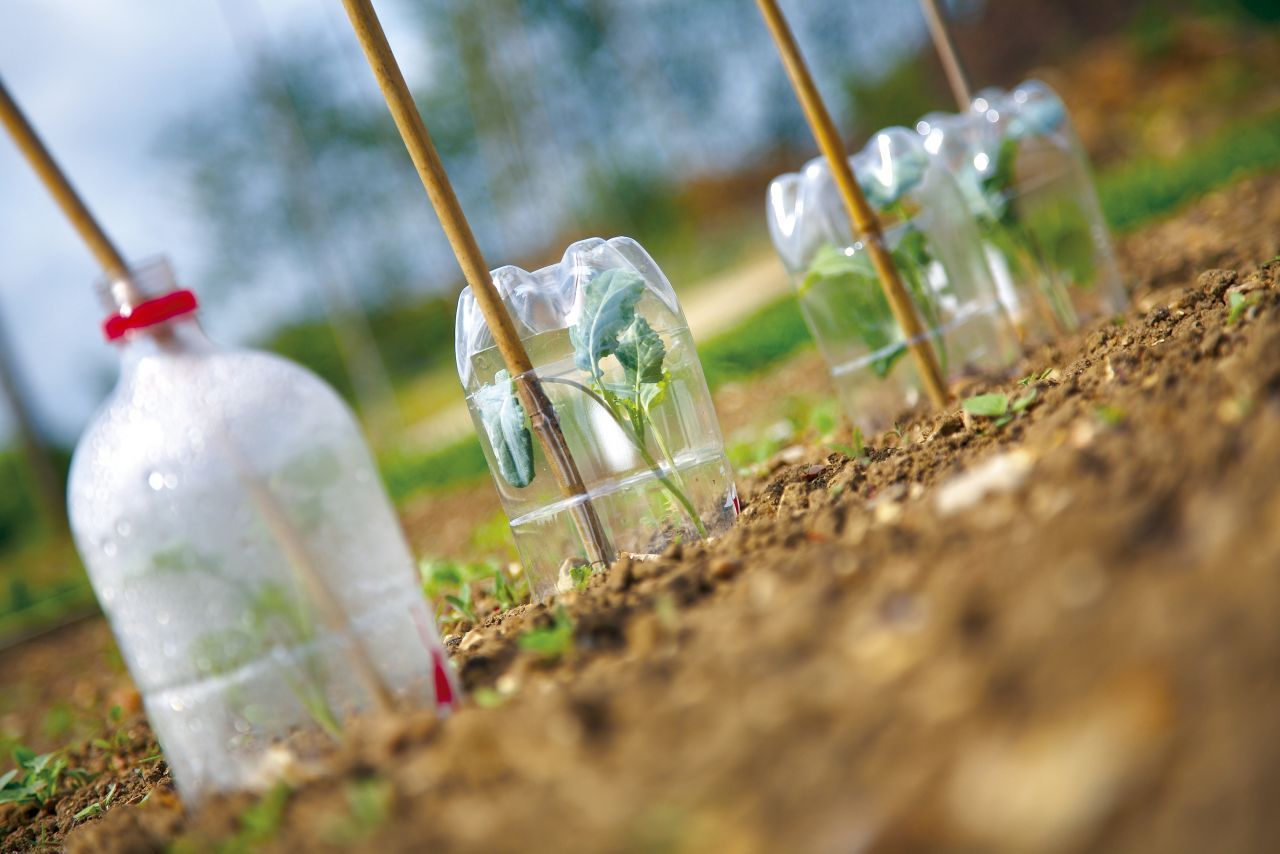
(181, 336)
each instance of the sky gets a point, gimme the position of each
(99, 81)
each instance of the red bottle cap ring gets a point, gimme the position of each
(150, 313)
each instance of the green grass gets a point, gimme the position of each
(1137, 192)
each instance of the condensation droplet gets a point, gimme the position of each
(177, 705)
(163, 618)
(170, 649)
(109, 548)
(171, 480)
(123, 528)
(242, 725)
(155, 480)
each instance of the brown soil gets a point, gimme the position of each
(880, 656)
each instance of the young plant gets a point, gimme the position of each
(1053, 237)
(1237, 305)
(551, 642)
(35, 780)
(999, 407)
(607, 326)
(97, 807)
(454, 584)
(275, 616)
(853, 287)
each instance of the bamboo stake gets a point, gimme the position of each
(123, 290)
(865, 221)
(542, 417)
(957, 76)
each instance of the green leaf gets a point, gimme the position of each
(505, 424)
(16, 795)
(1025, 401)
(851, 287)
(1238, 304)
(987, 405)
(653, 393)
(8, 778)
(608, 308)
(641, 352)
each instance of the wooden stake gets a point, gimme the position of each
(957, 77)
(864, 219)
(123, 290)
(542, 417)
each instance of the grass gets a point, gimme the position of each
(1134, 193)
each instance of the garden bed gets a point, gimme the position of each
(1050, 631)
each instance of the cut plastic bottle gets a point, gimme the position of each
(935, 246)
(612, 351)
(1026, 178)
(242, 547)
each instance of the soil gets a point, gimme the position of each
(1052, 634)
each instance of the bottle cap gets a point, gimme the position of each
(150, 313)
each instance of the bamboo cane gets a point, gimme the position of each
(865, 221)
(123, 290)
(957, 76)
(542, 418)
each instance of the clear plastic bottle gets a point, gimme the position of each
(967, 144)
(938, 255)
(1027, 179)
(612, 350)
(238, 538)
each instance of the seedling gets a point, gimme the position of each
(852, 278)
(1035, 378)
(462, 605)
(97, 807)
(276, 617)
(551, 642)
(987, 405)
(856, 451)
(35, 780)
(608, 326)
(998, 406)
(1237, 304)
(455, 583)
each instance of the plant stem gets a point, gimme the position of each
(649, 461)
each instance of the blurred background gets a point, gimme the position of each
(247, 140)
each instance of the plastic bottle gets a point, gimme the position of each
(612, 350)
(242, 547)
(935, 246)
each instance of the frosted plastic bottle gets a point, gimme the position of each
(241, 545)
(613, 352)
(935, 246)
